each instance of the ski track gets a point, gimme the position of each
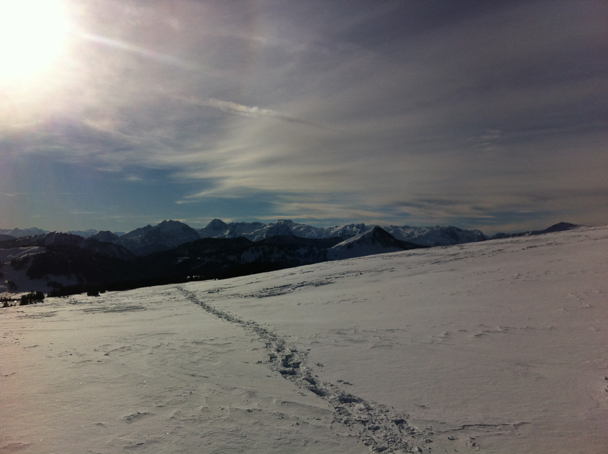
(380, 427)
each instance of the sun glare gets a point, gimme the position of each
(32, 35)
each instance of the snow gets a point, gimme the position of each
(492, 347)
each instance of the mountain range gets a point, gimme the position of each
(173, 251)
(169, 234)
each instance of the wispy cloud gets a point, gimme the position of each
(240, 109)
(337, 111)
(323, 211)
(138, 50)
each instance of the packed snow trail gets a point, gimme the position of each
(381, 428)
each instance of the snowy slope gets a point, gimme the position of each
(492, 347)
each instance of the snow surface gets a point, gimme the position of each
(493, 347)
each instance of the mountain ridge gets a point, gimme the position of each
(172, 251)
(424, 236)
(169, 233)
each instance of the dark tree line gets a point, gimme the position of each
(31, 298)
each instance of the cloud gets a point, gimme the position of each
(337, 109)
(240, 109)
(323, 211)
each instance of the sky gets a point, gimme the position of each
(116, 114)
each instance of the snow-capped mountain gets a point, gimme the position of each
(83, 233)
(370, 242)
(105, 236)
(256, 231)
(345, 231)
(281, 228)
(18, 233)
(215, 229)
(170, 234)
(171, 251)
(253, 231)
(161, 237)
(435, 236)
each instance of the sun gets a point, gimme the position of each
(32, 36)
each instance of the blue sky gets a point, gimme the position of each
(489, 115)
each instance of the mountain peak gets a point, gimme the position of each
(560, 227)
(280, 228)
(105, 236)
(171, 223)
(166, 235)
(217, 224)
(375, 240)
(288, 222)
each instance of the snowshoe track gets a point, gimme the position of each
(380, 427)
